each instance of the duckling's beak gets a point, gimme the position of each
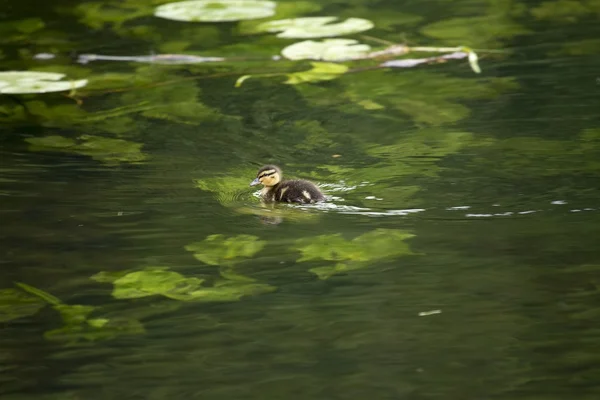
(255, 182)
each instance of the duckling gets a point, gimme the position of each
(292, 191)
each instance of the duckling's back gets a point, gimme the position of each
(297, 191)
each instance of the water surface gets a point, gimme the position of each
(493, 175)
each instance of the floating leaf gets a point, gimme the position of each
(107, 150)
(216, 10)
(320, 71)
(22, 82)
(15, 304)
(315, 27)
(326, 50)
(284, 10)
(153, 281)
(217, 249)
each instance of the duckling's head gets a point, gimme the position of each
(269, 175)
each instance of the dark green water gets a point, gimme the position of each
(495, 176)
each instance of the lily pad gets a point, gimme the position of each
(15, 304)
(218, 250)
(153, 281)
(24, 82)
(107, 150)
(320, 71)
(315, 27)
(327, 50)
(216, 10)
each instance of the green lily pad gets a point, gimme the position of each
(107, 150)
(15, 304)
(216, 10)
(320, 71)
(24, 82)
(218, 250)
(315, 27)
(153, 281)
(326, 50)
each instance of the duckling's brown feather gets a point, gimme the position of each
(286, 191)
(295, 191)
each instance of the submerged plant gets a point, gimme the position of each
(320, 71)
(15, 304)
(149, 282)
(352, 254)
(107, 150)
(153, 281)
(78, 326)
(220, 250)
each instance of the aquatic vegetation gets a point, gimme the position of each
(566, 11)
(153, 281)
(150, 281)
(326, 50)
(320, 71)
(15, 304)
(484, 31)
(226, 291)
(428, 97)
(106, 150)
(78, 326)
(352, 254)
(216, 10)
(284, 10)
(221, 250)
(22, 82)
(315, 27)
